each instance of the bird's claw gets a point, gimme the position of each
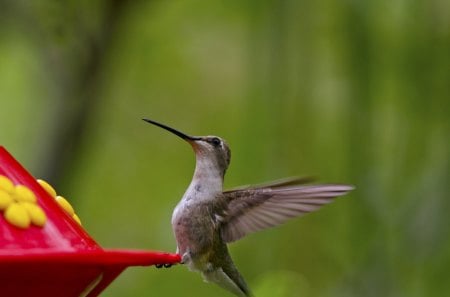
(165, 265)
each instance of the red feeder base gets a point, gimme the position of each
(60, 258)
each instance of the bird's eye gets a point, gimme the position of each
(215, 141)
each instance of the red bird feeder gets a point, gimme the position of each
(56, 257)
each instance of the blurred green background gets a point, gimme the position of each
(350, 91)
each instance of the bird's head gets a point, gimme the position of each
(212, 152)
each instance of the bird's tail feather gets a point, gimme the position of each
(229, 279)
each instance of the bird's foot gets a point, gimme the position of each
(166, 265)
(186, 257)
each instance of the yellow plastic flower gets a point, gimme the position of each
(59, 199)
(19, 205)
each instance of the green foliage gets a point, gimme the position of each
(350, 91)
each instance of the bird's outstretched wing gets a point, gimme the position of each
(284, 182)
(256, 208)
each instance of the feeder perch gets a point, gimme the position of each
(57, 257)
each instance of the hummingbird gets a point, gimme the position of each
(207, 218)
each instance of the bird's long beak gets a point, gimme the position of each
(174, 131)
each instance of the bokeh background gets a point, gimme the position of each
(350, 91)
